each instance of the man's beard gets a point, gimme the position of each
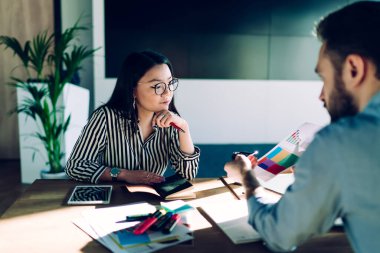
(342, 103)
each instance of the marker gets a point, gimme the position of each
(170, 225)
(138, 217)
(131, 218)
(234, 154)
(160, 223)
(144, 225)
(177, 127)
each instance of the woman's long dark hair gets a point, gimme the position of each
(133, 69)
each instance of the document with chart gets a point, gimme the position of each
(286, 153)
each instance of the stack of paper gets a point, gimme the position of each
(108, 227)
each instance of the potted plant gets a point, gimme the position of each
(49, 61)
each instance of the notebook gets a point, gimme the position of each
(232, 218)
(174, 187)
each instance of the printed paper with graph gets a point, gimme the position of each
(286, 153)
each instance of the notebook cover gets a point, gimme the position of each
(173, 184)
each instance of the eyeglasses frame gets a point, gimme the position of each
(167, 86)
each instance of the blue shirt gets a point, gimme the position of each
(337, 176)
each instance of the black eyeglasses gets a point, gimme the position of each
(160, 88)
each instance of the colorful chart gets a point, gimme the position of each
(294, 138)
(277, 160)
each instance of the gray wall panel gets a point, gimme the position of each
(242, 65)
(296, 18)
(293, 58)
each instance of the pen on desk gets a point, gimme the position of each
(133, 218)
(169, 226)
(177, 127)
(138, 217)
(229, 188)
(144, 225)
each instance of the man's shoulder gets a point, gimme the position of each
(348, 127)
(331, 141)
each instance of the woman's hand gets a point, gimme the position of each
(164, 118)
(141, 177)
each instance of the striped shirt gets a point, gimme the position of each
(108, 140)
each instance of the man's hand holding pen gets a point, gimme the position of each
(240, 169)
(241, 162)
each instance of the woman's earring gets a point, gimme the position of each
(134, 103)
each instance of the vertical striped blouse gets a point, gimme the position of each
(108, 140)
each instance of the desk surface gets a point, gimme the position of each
(40, 221)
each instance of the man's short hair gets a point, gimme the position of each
(354, 29)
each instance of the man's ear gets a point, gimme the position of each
(354, 70)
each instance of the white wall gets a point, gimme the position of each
(241, 111)
(236, 111)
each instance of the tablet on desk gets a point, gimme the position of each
(90, 194)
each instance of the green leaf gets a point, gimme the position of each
(74, 59)
(42, 137)
(57, 131)
(65, 126)
(39, 50)
(14, 44)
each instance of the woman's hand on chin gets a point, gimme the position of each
(166, 118)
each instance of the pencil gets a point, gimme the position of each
(229, 188)
(177, 127)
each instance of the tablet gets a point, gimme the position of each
(90, 194)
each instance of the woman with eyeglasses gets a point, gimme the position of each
(138, 132)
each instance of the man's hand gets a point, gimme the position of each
(237, 168)
(241, 171)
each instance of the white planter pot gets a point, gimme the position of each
(44, 174)
(75, 100)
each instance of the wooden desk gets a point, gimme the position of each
(40, 221)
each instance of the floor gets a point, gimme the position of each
(10, 183)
